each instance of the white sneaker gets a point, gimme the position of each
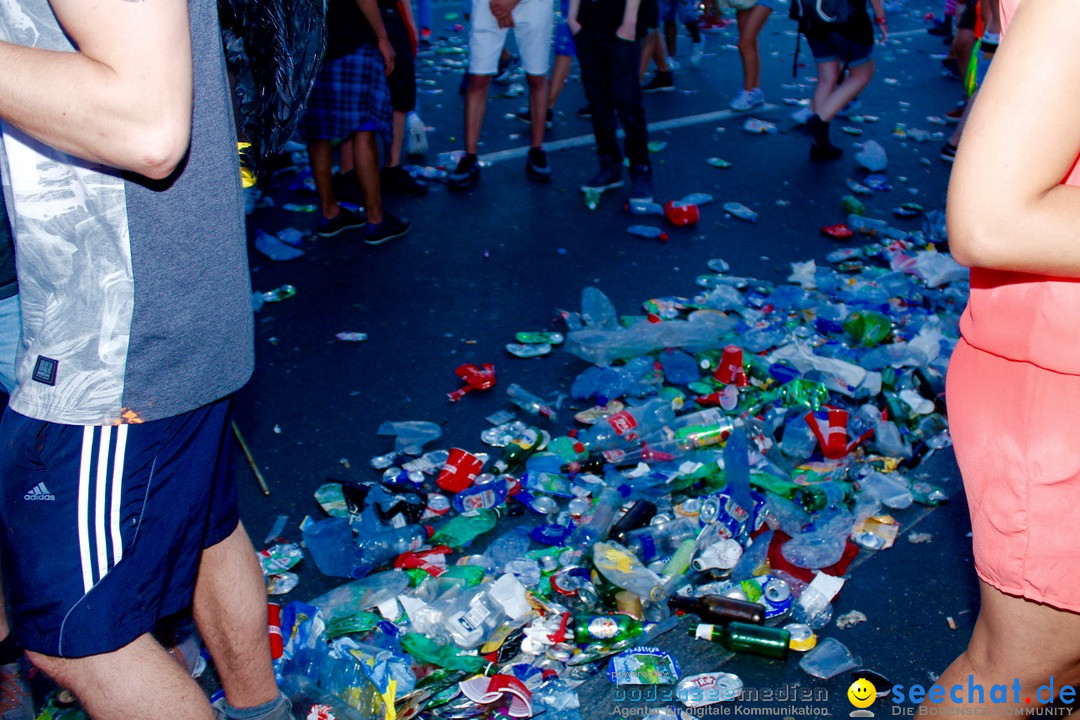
(801, 115)
(697, 52)
(747, 100)
(672, 64)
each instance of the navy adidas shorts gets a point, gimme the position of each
(104, 526)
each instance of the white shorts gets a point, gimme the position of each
(533, 24)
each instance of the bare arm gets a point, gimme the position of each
(370, 9)
(1007, 208)
(571, 16)
(628, 29)
(123, 99)
(879, 18)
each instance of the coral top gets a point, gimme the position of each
(1020, 316)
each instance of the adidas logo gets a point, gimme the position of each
(39, 492)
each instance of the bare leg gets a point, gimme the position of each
(856, 81)
(671, 32)
(399, 136)
(230, 611)
(652, 49)
(1017, 644)
(120, 684)
(366, 159)
(660, 54)
(475, 106)
(322, 167)
(828, 73)
(538, 107)
(346, 150)
(750, 23)
(560, 71)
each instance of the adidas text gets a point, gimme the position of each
(39, 492)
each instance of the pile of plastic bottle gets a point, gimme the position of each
(731, 454)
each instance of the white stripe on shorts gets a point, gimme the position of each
(99, 504)
(118, 484)
(84, 497)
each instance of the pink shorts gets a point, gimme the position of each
(1016, 431)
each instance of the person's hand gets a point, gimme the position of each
(883, 25)
(388, 54)
(503, 11)
(627, 30)
(574, 25)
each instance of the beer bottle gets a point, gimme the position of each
(740, 637)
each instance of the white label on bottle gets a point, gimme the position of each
(603, 628)
(703, 632)
(475, 617)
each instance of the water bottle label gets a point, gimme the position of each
(623, 424)
(603, 628)
(475, 617)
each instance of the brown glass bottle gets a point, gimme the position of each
(720, 610)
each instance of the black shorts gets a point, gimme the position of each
(402, 81)
(104, 526)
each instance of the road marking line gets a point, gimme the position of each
(580, 140)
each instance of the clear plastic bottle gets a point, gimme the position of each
(621, 568)
(608, 502)
(660, 541)
(472, 617)
(379, 547)
(629, 426)
(310, 700)
(528, 402)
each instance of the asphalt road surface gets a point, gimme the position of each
(506, 256)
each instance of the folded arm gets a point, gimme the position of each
(122, 99)
(1007, 208)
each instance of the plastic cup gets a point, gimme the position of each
(459, 471)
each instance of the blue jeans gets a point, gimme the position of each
(10, 329)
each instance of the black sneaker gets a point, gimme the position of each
(466, 174)
(391, 227)
(344, 220)
(641, 184)
(347, 187)
(397, 180)
(943, 30)
(525, 116)
(661, 82)
(609, 177)
(536, 167)
(585, 112)
(948, 152)
(825, 152)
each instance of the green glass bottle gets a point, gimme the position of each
(605, 628)
(742, 638)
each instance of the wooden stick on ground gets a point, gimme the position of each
(250, 459)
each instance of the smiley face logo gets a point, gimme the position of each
(862, 693)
